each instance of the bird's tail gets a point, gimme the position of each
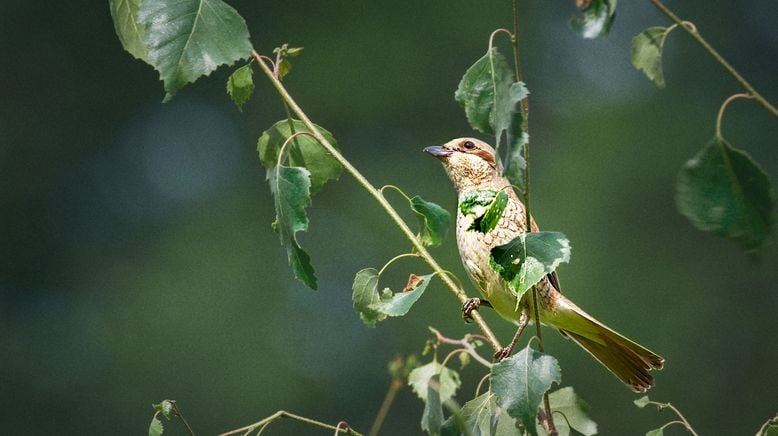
(627, 360)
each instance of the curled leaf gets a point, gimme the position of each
(647, 53)
(240, 85)
(596, 18)
(365, 294)
(486, 206)
(434, 221)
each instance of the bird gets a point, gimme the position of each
(472, 165)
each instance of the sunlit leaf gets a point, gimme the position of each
(187, 39)
(240, 85)
(526, 259)
(647, 53)
(520, 381)
(156, 428)
(722, 190)
(565, 403)
(596, 18)
(434, 221)
(364, 294)
(432, 417)
(302, 151)
(400, 303)
(656, 432)
(291, 191)
(642, 401)
(477, 417)
(486, 206)
(420, 377)
(128, 29)
(165, 408)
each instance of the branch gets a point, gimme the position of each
(342, 426)
(379, 197)
(691, 30)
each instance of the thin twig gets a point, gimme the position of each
(284, 414)
(466, 343)
(420, 248)
(394, 387)
(692, 31)
(178, 413)
(724, 105)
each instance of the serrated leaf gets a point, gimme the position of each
(187, 39)
(487, 207)
(722, 190)
(364, 294)
(165, 407)
(656, 432)
(520, 381)
(434, 221)
(400, 303)
(647, 53)
(642, 401)
(526, 259)
(129, 31)
(567, 404)
(420, 377)
(432, 417)
(240, 85)
(156, 428)
(596, 18)
(291, 191)
(490, 96)
(476, 418)
(303, 151)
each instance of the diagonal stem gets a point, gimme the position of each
(379, 197)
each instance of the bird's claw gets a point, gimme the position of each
(468, 307)
(503, 353)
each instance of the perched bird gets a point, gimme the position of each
(471, 165)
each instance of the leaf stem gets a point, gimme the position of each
(392, 260)
(692, 31)
(394, 387)
(180, 416)
(284, 414)
(729, 100)
(378, 196)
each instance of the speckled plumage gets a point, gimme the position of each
(471, 165)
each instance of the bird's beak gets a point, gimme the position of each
(438, 151)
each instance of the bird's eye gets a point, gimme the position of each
(468, 145)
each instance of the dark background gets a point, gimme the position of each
(137, 262)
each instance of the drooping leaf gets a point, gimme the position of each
(365, 294)
(520, 381)
(647, 53)
(432, 418)
(434, 221)
(156, 428)
(291, 191)
(240, 85)
(165, 408)
(420, 377)
(490, 96)
(722, 190)
(187, 39)
(567, 404)
(596, 18)
(642, 401)
(302, 151)
(400, 303)
(478, 417)
(486, 206)
(656, 432)
(526, 259)
(128, 29)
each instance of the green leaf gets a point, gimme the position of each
(129, 31)
(656, 432)
(722, 190)
(240, 85)
(642, 401)
(420, 377)
(520, 381)
(400, 303)
(647, 53)
(291, 190)
(365, 294)
(434, 221)
(596, 20)
(156, 428)
(432, 418)
(486, 205)
(477, 417)
(574, 409)
(490, 95)
(165, 408)
(187, 39)
(526, 259)
(303, 151)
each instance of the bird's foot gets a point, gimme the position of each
(503, 353)
(470, 305)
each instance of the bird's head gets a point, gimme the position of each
(469, 162)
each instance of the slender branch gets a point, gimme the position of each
(284, 414)
(178, 413)
(683, 419)
(466, 344)
(395, 387)
(378, 196)
(692, 31)
(729, 100)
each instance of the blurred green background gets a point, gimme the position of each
(137, 262)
